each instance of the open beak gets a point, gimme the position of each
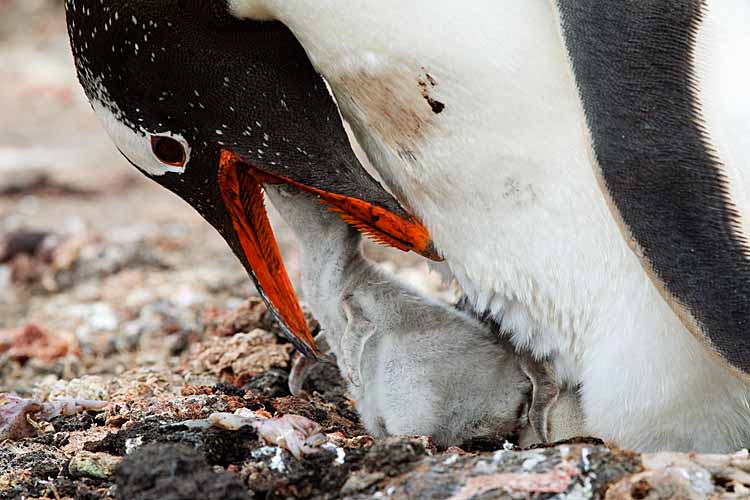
(241, 189)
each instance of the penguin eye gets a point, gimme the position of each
(168, 150)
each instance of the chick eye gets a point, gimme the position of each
(168, 150)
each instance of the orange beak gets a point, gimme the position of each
(241, 189)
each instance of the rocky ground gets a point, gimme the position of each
(112, 290)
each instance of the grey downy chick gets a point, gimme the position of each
(413, 365)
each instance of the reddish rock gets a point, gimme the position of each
(32, 341)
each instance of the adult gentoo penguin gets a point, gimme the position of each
(212, 108)
(582, 166)
(578, 164)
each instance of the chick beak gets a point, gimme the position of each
(241, 188)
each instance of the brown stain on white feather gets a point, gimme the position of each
(395, 103)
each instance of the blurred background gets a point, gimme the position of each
(92, 253)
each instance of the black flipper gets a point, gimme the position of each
(633, 64)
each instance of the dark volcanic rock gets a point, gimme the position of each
(275, 474)
(273, 383)
(392, 456)
(218, 447)
(32, 469)
(77, 422)
(325, 379)
(174, 472)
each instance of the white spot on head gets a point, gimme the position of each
(136, 146)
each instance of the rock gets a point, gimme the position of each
(654, 485)
(274, 473)
(392, 456)
(28, 459)
(574, 471)
(38, 182)
(140, 383)
(243, 356)
(153, 321)
(174, 472)
(686, 475)
(93, 465)
(55, 264)
(359, 481)
(218, 447)
(34, 342)
(171, 408)
(325, 379)
(86, 387)
(21, 242)
(273, 383)
(247, 317)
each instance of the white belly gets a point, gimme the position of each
(501, 176)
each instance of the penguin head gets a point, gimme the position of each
(213, 107)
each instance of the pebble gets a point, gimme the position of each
(93, 465)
